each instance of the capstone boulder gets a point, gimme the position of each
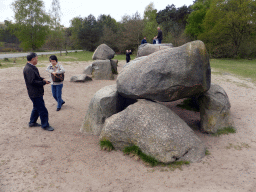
(168, 74)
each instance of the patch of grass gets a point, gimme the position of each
(106, 145)
(177, 165)
(189, 104)
(207, 152)
(242, 67)
(224, 131)
(137, 151)
(238, 146)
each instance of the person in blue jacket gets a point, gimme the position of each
(144, 41)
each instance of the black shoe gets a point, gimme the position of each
(48, 128)
(63, 103)
(34, 125)
(58, 109)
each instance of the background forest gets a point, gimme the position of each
(227, 27)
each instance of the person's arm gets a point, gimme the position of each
(31, 79)
(62, 70)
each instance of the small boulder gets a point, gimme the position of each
(167, 75)
(156, 130)
(80, 78)
(104, 103)
(147, 49)
(103, 52)
(102, 70)
(88, 70)
(215, 110)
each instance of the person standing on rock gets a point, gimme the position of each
(144, 41)
(35, 86)
(128, 53)
(159, 35)
(56, 68)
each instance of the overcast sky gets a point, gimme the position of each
(115, 8)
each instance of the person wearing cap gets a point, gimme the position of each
(35, 86)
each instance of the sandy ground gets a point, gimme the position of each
(66, 160)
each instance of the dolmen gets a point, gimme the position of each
(130, 112)
(103, 68)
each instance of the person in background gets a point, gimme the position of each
(159, 35)
(35, 86)
(128, 53)
(56, 68)
(154, 40)
(144, 41)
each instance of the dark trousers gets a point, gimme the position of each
(159, 41)
(56, 93)
(39, 109)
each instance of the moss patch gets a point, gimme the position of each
(106, 145)
(177, 165)
(224, 131)
(137, 151)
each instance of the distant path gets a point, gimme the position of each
(14, 55)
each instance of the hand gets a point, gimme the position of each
(54, 73)
(46, 81)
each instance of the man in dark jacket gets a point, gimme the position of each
(144, 41)
(35, 86)
(159, 35)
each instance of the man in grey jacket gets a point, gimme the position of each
(35, 86)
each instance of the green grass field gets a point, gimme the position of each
(242, 67)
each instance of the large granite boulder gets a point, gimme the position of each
(156, 130)
(147, 48)
(104, 103)
(102, 70)
(80, 78)
(103, 52)
(215, 110)
(167, 75)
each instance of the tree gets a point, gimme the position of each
(32, 23)
(173, 21)
(228, 24)
(56, 14)
(196, 18)
(150, 24)
(130, 32)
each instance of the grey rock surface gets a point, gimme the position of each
(80, 78)
(215, 110)
(147, 48)
(167, 75)
(156, 130)
(88, 70)
(102, 70)
(103, 52)
(104, 103)
(114, 66)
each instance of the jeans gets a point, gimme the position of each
(39, 109)
(56, 93)
(159, 41)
